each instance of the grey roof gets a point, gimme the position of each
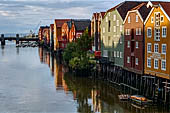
(82, 24)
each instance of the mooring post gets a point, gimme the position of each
(17, 38)
(2, 39)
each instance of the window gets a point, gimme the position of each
(109, 26)
(137, 31)
(127, 31)
(136, 18)
(129, 19)
(163, 48)
(156, 48)
(149, 32)
(163, 65)
(121, 55)
(117, 22)
(128, 44)
(149, 62)
(140, 31)
(117, 54)
(164, 31)
(109, 13)
(156, 64)
(137, 45)
(137, 61)
(121, 28)
(128, 60)
(114, 17)
(114, 28)
(121, 40)
(162, 18)
(149, 47)
(103, 29)
(151, 19)
(157, 34)
(157, 19)
(105, 53)
(106, 19)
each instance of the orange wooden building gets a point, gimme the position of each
(157, 41)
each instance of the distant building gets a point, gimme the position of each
(58, 32)
(44, 34)
(52, 36)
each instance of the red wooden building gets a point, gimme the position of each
(44, 34)
(134, 38)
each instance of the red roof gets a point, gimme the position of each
(166, 7)
(60, 22)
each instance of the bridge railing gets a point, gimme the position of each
(24, 35)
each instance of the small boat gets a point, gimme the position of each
(124, 97)
(139, 99)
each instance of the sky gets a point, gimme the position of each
(21, 16)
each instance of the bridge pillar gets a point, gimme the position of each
(2, 39)
(17, 39)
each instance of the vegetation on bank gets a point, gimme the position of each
(78, 55)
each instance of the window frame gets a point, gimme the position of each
(128, 59)
(128, 44)
(137, 44)
(149, 28)
(155, 48)
(162, 49)
(164, 69)
(137, 18)
(164, 36)
(137, 61)
(149, 66)
(148, 47)
(155, 65)
(129, 19)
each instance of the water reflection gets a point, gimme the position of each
(91, 96)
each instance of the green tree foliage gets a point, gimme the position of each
(77, 54)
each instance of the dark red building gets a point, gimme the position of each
(134, 38)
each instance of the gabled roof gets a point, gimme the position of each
(96, 15)
(60, 22)
(126, 6)
(102, 14)
(166, 7)
(82, 24)
(143, 10)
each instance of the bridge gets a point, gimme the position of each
(18, 38)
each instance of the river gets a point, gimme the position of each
(33, 81)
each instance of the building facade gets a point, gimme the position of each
(134, 38)
(157, 42)
(112, 32)
(52, 36)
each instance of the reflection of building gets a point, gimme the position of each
(40, 50)
(96, 101)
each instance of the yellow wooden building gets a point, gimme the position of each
(157, 40)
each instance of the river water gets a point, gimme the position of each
(33, 81)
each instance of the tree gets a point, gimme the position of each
(77, 53)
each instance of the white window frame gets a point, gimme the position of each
(137, 61)
(114, 17)
(137, 18)
(128, 44)
(149, 44)
(149, 28)
(164, 69)
(117, 22)
(107, 19)
(164, 35)
(157, 35)
(155, 48)
(137, 31)
(163, 50)
(104, 29)
(140, 31)
(121, 55)
(128, 59)
(137, 44)
(161, 17)
(152, 19)
(115, 54)
(118, 54)
(149, 66)
(129, 19)
(155, 65)
(128, 31)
